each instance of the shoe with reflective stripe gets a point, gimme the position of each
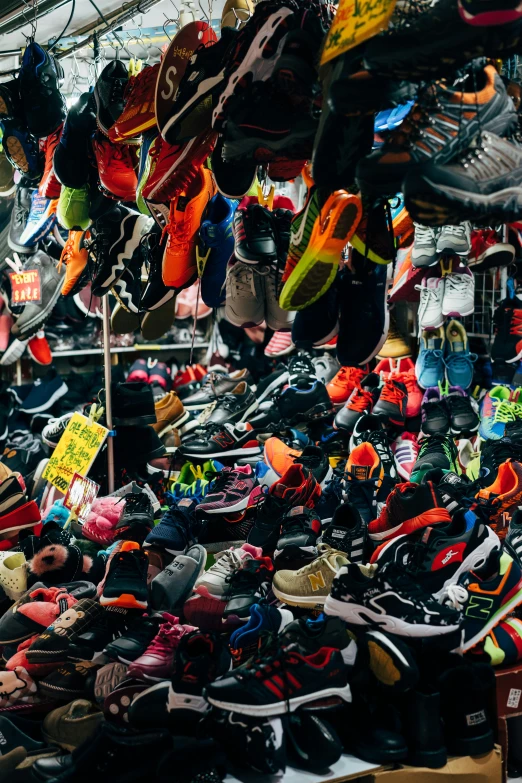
(138, 115)
(409, 507)
(317, 243)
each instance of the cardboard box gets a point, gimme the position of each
(508, 704)
(462, 769)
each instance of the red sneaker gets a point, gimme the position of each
(343, 384)
(414, 400)
(49, 186)
(406, 280)
(487, 251)
(194, 372)
(409, 507)
(116, 169)
(387, 367)
(175, 166)
(39, 350)
(138, 114)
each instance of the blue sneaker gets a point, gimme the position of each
(499, 406)
(22, 151)
(42, 217)
(176, 529)
(39, 81)
(216, 242)
(390, 119)
(263, 619)
(458, 359)
(429, 367)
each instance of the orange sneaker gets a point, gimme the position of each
(174, 166)
(38, 349)
(343, 384)
(278, 456)
(504, 495)
(364, 463)
(49, 186)
(138, 114)
(318, 235)
(75, 257)
(179, 260)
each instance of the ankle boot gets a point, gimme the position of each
(423, 730)
(466, 693)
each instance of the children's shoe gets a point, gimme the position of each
(457, 357)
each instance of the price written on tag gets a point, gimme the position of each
(355, 22)
(75, 452)
(80, 496)
(25, 286)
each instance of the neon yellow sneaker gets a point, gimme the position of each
(73, 208)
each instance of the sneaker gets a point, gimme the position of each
(254, 234)
(304, 402)
(449, 193)
(215, 386)
(157, 662)
(483, 14)
(39, 83)
(392, 402)
(458, 359)
(223, 440)
(280, 344)
(247, 586)
(319, 676)
(137, 513)
(454, 240)
(497, 589)
(245, 303)
(176, 529)
(133, 642)
(385, 169)
(235, 406)
(424, 252)
(437, 451)
(429, 367)
(171, 587)
(41, 219)
(513, 539)
(371, 429)
(75, 257)
(214, 582)
(507, 345)
(109, 93)
(126, 580)
(459, 294)
(487, 252)
(115, 238)
(49, 186)
(297, 544)
(72, 211)
(405, 450)
(19, 216)
(216, 244)
(344, 383)
(502, 496)
(133, 404)
(347, 533)
(409, 507)
(275, 316)
(229, 491)
(432, 292)
(499, 406)
(34, 314)
(363, 478)
(319, 239)
(435, 413)
(53, 644)
(174, 167)
(138, 114)
(45, 392)
(391, 600)
(264, 618)
(360, 403)
(463, 412)
(54, 429)
(39, 350)
(396, 345)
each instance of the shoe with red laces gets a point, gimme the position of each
(158, 660)
(75, 257)
(405, 450)
(116, 168)
(180, 268)
(392, 402)
(409, 507)
(387, 367)
(38, 349)
(191, 373)
(414, 399)
(507, 345)
(175, 166)
(343, 384)
(487, 251)
(361, 401)
(138, 115)
(49, 186)
(503, 496)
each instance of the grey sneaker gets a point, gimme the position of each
(35, 315)
(455, 240)
(326, 367)
(171, 588)
(215, 387)
(424, 251)
(19, 215)
(245, 297)
(276, 317)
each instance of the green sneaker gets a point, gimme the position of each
(436, 451)
(73, 208)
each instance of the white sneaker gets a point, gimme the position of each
(245, 295)
(326, 367)
(459, 294)
(214, 582)
(431, 298)
(455, 239)
(276, 318)
(13, 574)
(424, 250)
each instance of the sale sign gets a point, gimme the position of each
(26, 286)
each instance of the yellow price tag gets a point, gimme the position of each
(75, 452)
(355, 22)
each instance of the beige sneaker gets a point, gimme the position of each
(395, 346)
(169, 413)
(13, 574)
(310, 585)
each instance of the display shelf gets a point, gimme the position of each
(129, 349)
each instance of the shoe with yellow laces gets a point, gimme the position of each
(499, 406)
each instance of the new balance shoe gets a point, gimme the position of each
(234, 440)
(424, 251)
(436, 451)
(409, 507)
(391, 600)
(229, 491)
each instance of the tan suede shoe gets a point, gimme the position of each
(169, 413)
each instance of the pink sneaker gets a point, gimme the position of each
(406, 450)
(189, 305)
(280, 344)
(157, 662)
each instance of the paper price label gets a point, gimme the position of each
(75, 452)
(80, 496)
(355, 22)
(25, 286)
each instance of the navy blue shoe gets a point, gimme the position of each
(319, 322)
(21, 150)
(45, 392)
(39, 82)
(216, 243)
(71, 156)
(176, 529)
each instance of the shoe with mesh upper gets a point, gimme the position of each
(409, 507)
(343, 384)
(175, 166)
(436, 451)
(254, 233)
(360, 402)
(138, 115)
(75, 257)
(229, 491)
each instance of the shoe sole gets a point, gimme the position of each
(356, 614)
(16, 151)
(232, 453)
(315, 271)
(155, 323)
(491, 18)
(432, 516)
(106, 684)
(206, 88)
(284, 706)
(60, 392)
(239, 506)
(125, 600)
(117, 704)
(307, 602)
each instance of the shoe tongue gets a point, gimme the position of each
(433, 342)
(297, 511)
(360, 472)
(128, 546)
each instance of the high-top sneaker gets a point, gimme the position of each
(157, 662)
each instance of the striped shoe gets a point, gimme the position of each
(318, 235)
(280, 344)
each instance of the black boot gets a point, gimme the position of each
(312, 743)
(423, 730)
(466, 694)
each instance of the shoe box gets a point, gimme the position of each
(509, 706)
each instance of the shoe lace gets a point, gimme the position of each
(166, 639)
(248, 579)
(243, 280)
(457, 284)
(498, 451)
(392, 393)
(419, 117)
(515, 326)
(360, 400)
(408, 379)
(434, 444)
(178, 231)
(175, 518)
(423, 235)
(127, 565)
(228, 401)
(429, 297)
(226, 562)
(433, 357)
(301, 365)
(135, 502)
(221, 480)
(139, 84)
(455, 596)
(459, 360)
(118, 90)
(257, 220)
(455, 229)
(459, 404)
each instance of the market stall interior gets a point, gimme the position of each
(260, 391)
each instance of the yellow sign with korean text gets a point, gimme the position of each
(75, 452)
(355, 22)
